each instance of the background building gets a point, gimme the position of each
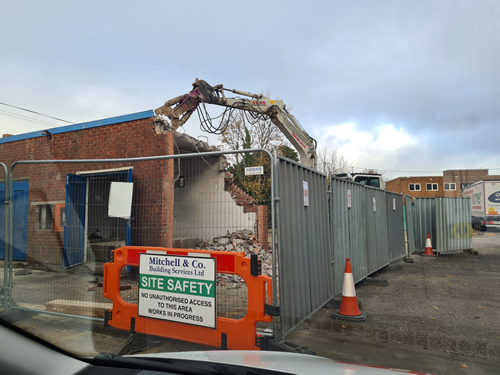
(449, 184)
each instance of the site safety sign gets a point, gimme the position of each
(178, 288)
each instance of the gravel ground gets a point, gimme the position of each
(449, 303)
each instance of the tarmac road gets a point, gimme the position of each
(438, 315)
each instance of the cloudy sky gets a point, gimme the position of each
(404, 87)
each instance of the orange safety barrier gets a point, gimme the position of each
(238, 334)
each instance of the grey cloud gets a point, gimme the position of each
(426, 66)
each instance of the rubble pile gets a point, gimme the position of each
(239, 241)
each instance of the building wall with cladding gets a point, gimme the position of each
(128, 137)
(402, 185)
(449, 184)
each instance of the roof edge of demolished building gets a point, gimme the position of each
(183, 141)
(80, 126)
(160, 125)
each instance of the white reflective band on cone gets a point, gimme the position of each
(348, 287)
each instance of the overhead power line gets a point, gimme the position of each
(35, 112)
(25, 118)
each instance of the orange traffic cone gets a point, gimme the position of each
(349, 309)
(428, 246)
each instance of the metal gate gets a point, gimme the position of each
(86, 204)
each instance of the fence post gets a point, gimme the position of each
(7, 280)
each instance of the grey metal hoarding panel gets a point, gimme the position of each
(410, 223)
(395, 225)
(293, 305)
(383, 247)
(425, 221)
(377, 238)
(453, 224)
(322, 261)
(353, 223)
(447, 220)
(306, 268)
(348, 225)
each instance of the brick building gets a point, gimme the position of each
(449, 184)
(61, 209)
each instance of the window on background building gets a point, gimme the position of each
(432, 187)
(464, 185)
(450, 186)
(45, 217)
(414, 187)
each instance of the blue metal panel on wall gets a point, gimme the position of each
(20, 216)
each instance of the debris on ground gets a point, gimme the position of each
(241, 241)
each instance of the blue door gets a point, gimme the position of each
(75, 211)
(20, 217)
(74, 230)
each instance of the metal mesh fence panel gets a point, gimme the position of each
(75, 213)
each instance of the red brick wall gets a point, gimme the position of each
(401, 185)
(153, 180)
(263, 226)
(458, 176)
